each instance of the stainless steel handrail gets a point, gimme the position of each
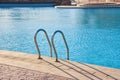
(52, 40)
(36, 44)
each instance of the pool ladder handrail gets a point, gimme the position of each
(36, 44)
(53, 45)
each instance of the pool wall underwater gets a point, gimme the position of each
(48, 4)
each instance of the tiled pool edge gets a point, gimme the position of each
(86, 7)
(64, 68)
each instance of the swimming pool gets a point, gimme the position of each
(93, 35)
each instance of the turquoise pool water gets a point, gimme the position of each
(93, 35)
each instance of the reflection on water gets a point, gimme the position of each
(103, 19)
(93, 35)
(94, 18)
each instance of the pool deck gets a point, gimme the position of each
(18, 63)
(91, 5)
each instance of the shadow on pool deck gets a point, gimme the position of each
(91, 68)
(63, 68)
(88, 76)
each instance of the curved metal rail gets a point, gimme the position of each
(36, 44)
(52, 39)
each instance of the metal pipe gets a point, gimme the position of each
(36, 44)
(52, 40)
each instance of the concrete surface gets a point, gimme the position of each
(63, 70)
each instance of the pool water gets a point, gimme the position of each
(93, 35)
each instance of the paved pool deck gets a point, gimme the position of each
(24, 66)
(93, 5)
